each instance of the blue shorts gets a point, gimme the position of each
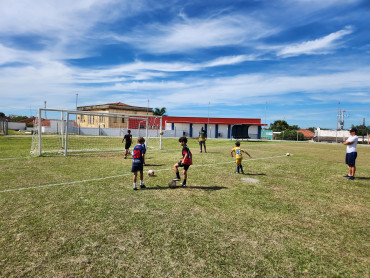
(137, 167)
(351, 158)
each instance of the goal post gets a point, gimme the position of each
(66, 131)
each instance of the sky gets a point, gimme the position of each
(294, 60)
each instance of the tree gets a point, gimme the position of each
(2, 115)
(279, 125)
(312, 129)
(294, 127)
(16, 118)
(290, 135)
(159, 111)
(361, 130)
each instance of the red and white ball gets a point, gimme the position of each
(150, 173)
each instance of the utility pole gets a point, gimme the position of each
(340, 118)
(265, 114)
(45, 108)
(76, 100)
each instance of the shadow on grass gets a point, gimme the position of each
(362, 178)
(251, 174)
(209, 188)
(153, 165)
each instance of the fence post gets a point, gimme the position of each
(39, 131)
(66, 141)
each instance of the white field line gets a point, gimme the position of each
(12, 158)
(123, 175)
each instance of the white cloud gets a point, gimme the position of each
(319, 46)
(197, 33)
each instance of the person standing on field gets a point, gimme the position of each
(128, 139)
(138, 157)
(351, 154)
(202, 137)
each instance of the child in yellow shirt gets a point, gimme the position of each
(239, 157)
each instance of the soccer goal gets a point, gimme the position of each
(64, 131)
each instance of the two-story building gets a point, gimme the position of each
(109, 122)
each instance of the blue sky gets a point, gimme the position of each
(290, 60)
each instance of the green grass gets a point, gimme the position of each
(301, 219)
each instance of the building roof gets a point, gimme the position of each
(28, 120)
(205, 120)
(307, 133)
(114, 105)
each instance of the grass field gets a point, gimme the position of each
(77, 216)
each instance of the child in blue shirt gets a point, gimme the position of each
(138, 162)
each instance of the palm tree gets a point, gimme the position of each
(159, 111)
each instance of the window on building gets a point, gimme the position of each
(101, 119)
(114, 119)
(123, 119)
(91, 119)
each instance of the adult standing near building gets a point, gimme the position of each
(202, 137)
(351, 154)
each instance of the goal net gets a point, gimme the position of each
(65, 132)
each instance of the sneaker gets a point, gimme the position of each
(200, 151)
(142, 186)
(176, 179)
(351, 178)
(134, 188)
(243, 172)
(125, 156)
(346, 176)
(183, 184)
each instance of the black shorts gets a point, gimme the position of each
(127, 146)
(351, 158)
(137, 167)
(186, 167)
(202, 143)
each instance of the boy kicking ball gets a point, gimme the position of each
(238, 157)
(185, 162)
(138, 162)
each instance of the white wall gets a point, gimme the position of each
(253, 132)
(16, 126)
(332, 133)
(223, 130)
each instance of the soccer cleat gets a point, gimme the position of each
(125, 156)
(142, 186)
(346, 176)
(176, 179)
(134, 188)
(351, 178)
(183, 184)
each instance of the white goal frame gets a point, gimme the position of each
(37, 143)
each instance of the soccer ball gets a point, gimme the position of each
(172, 183)
(287, 154)
(150, 173)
